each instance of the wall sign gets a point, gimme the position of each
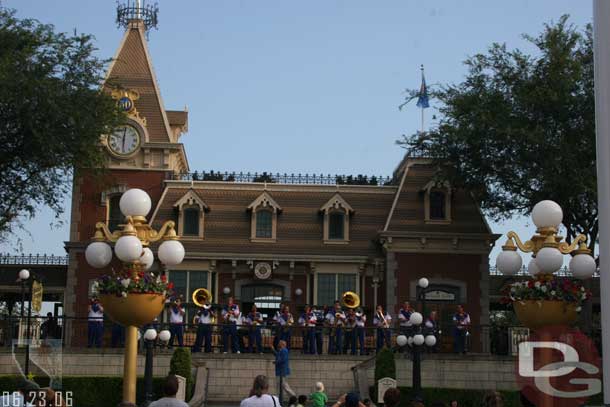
(440, 295)
(262, 271)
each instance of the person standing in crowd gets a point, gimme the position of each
(117, 338)
(48, 329)
(349, 400)
(302, 400)
(329, 321)
(391, 398)
(461, 321)
(350, 331)
(340, 320)
(204, 320)
(254, 319)
(170, 389)
(230, 313)
(318, 398)
(286, 321)
(359, 332)
(431, 328)
(292, 401)
(277, 329)
(176, 323)
(319, 329)
(242, 332)
(309, 342)
(282, 368)
(95, 323)
(302, 321)
(382, 323)
(404, 319)
(259, 396)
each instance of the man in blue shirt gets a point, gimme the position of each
(282, 368)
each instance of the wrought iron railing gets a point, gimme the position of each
(277, 178)
(33, 259)
(562, 272)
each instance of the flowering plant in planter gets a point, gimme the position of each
(546, 287)
(133, 280)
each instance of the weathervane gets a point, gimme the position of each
(137, 10)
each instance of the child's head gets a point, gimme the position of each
(292, 400)
(302, 399)
(319, 386)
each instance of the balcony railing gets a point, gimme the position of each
(562, 272)
(277, 178)
(33, 259)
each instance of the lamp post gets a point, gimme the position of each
(24, 278)
(149, 341)
(418, 340)
(131, 248)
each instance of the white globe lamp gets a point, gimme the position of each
(547, 214)
(430, 340)
(24, 274)
(147, 259)
(532, 267)
(164, 335)
(171, 252)
(416, 318)
(423, 282)
(509, 262)
(128, 248)
(226, 291)
(150, 334)
(98, 254)
(418, 339)
(583, 266)
(549, 260)
(298, 292)
(410, 340)
(401, 340)
(135, 202)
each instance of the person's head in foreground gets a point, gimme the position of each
(302, 399)
(453, 403)
(391, 398)
(260, 386)
(292, 401)
(494, 399)
(319, 386)
(437, 404)
(170, 386)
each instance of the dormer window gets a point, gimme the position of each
(437, 202)
(191, 215)
(336, 214)
(263, 224)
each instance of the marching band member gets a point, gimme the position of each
(350, 331)
(277, 330)
(95, 323)
(176, 323)
(302, 321)
(340, 320)
(309, 321)
(404, 319)
(359, 333)
(286, 320)
(319, 329)
(382, 322)
(330, 323)
(461, 319)
(204, 321)
(254, 319)
(230, 313)
(431, 328)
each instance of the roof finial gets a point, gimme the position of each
(138, 11)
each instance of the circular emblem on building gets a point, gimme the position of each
(262, 271)
(125, 104)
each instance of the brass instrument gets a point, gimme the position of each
(202, 297)
(350, 299)
(290, 320)
(382, 317)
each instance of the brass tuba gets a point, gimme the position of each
(202, 297)
(350, 299)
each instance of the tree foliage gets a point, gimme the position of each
(520, 128)
(52, 113)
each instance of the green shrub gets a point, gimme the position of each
(385, 366)
(90, 391)
(464, 397)
(180, 364)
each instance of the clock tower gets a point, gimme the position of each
(143, 152)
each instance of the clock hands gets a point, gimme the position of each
(123, 140)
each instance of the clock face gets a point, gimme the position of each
(124, 141)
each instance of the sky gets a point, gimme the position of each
(300, 86)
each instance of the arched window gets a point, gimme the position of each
(190, 218)
(115, 217)
(336, 212)
(336, 225)
(191, 215)
(264, 224)
(437, 205)
(437, 202)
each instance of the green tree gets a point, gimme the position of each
(180, 364)
(52, 111)
(520, 128)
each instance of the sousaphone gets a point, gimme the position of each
(350, 299)
(202, 297)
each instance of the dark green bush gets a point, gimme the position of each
(180, 364)
(385, 366)
(90, 391)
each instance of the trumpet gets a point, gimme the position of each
(290, 320)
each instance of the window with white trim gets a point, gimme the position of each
(331, 286)
(437, 203)
(264, 214)
(336, 212)
(191, 215)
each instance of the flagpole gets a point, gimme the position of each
(422, 108)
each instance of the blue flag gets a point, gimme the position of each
(422, 99)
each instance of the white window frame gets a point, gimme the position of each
(445, 188)
(191, 200)
(267, 203)
(336, 204)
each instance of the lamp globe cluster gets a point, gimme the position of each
(548, 258)
(128, 248)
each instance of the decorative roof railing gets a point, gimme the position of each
(562, 272)
(33, 259)
(277, 178)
